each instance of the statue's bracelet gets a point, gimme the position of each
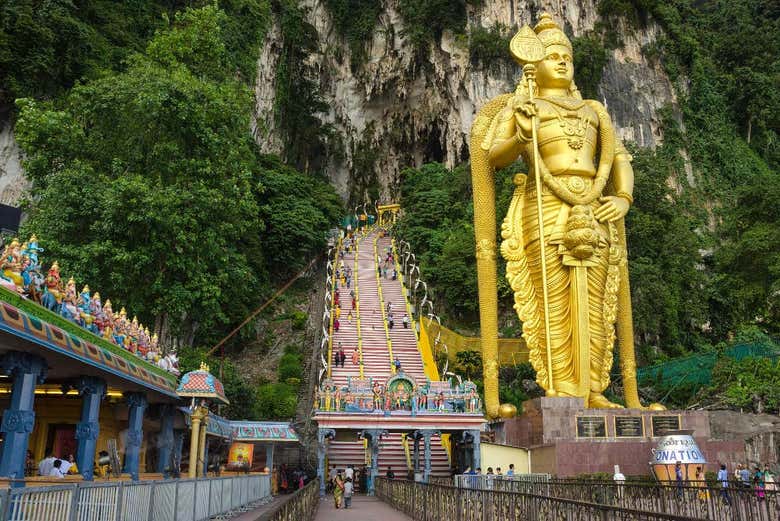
(627, 196)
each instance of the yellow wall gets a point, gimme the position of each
(511, 351)
(58, 410)
(494, 455)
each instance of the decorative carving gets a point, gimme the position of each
(87, 385)
(134, 399)
(14, 363)
(87, 430)
(17, 421)
(134, 438)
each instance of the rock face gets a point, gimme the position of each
(12, 181)
(761, 433)
(406, 110)
(400, 109)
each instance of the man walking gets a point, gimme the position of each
(723, 478)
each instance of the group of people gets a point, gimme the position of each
(337, 309)
(343, 485)
(340, 356)
(51, 466)
(761, 480)
(284, 480)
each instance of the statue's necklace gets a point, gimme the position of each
(575, 130)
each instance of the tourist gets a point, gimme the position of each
(390, 321)
(395, 274)
(349, 316)
(390, 474)
(349, 472)
(331, 479)
(511, 471)
(338, 312)
(769, 480)
(498, 471)
(744, 476)
(348, 492)
(758, 483)
(342, 356)
(355, 357)
(620, 479)
(72, 468)
(723, 479)
(678, 477)
(29, 464)
(397, 365)
(703, 494)
(338, 489)
(45, 466)
(354, 303)
(378, 269)
(405, 321)
(389, 308)
(56, 469)
(336, 325)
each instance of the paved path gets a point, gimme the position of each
(363, 509)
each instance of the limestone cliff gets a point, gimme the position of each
(407, 110)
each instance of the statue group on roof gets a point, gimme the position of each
(21, 272)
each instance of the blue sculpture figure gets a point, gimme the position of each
(69, 308)
(86, 318)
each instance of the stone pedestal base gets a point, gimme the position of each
(566, 439)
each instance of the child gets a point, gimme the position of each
(348, 493)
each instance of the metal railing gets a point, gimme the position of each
(300, 506)
(424, 502)
(735, 503)
(174, 500)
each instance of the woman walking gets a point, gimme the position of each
(338, 490)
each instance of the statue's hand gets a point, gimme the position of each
(612, 208)
(525, 110)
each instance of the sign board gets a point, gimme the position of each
(240, 456)
(663, 424)
(591, 426)
(629, 427)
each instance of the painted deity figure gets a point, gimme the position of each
(69, 308)
(52, 292)
(84, 304)
(377, 392)
(564, 240)
(11, 264)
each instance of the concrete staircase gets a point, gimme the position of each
(376, 355)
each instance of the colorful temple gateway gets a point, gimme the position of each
(85, 385)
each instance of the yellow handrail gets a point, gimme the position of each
(382, 307)
(333, 286)
(355, 276)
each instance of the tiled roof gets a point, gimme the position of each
(201, 384)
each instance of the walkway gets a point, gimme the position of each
(363, 509)
(370, 330)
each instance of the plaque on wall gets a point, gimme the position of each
(591, 426)
(664, 424)
(629, 427)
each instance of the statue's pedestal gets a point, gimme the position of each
(566, 439)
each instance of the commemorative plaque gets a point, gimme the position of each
(664, 424)
(629, 427)
(591, 426)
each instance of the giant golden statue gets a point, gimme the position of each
(563, 236)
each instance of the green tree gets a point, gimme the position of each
(148, 185)
(469, 362)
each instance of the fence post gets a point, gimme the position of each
(175, 499)
(74, 503)
(195, 500)
(151, 501)
(120, 492)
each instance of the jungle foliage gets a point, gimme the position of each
(147, 184)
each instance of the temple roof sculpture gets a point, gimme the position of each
(202, 384)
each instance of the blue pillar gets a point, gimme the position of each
(18, 420)
(426, 435)
(165, 441)
(475, 454)
(178, 445)
(322, 449)
(269, 457)
(136, 403)
(374, 436)
(92, 391)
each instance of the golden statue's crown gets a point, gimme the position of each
(550, 32)
(86, 288)
(96, 296)
(204, 367)
(122, 312)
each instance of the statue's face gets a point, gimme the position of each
(556, 70)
